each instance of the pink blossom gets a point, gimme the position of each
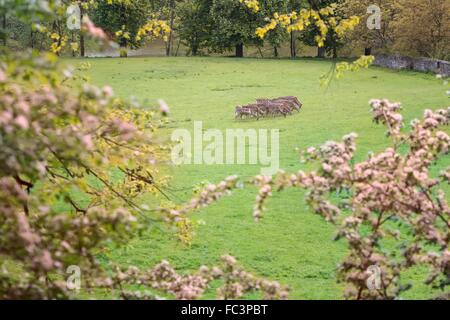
(2, 75)
(5, 117)
(87, 141)
(22, 122)
(108, 91)
(89, 27)
(46, 260)
(163, 107)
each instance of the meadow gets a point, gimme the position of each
(290, 244)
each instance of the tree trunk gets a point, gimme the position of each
(72, 39)
(368, 51)
(31, 39)
(194, 50)
(172, 19)
(178, 48)
(123, 43)
(82, 45)
(240, 50)
(123, 51)
(5, 37)
(321, 52)
(260, 52)
(293, 46)
(335, 53)
(275, 52)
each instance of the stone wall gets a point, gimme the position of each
(417, 64)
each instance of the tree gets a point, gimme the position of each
(167, 10)
(308, 37)
(123, 19)
(83, 6)
(131, 23)
(172, 7)
(294, 5)
(279, 35)
(50, 33)
(195, 24)
(422, 27)
(62, 137)
(320, 24)
(332, 41)
(234, 26)
(414, 28)
(374, 38)
(224, 25)
(3, 30)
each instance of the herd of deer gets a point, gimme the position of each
(282, 106)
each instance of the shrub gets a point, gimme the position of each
(389, 209)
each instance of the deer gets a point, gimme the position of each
(269, 107)
(297, 105)
(242, 111)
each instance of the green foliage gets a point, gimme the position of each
(278, 36)
(233, 25)
(221, 25)
(16, 17)
(195, 24)
(125, 16)
(332, 41)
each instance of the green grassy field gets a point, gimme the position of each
(290, 244)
